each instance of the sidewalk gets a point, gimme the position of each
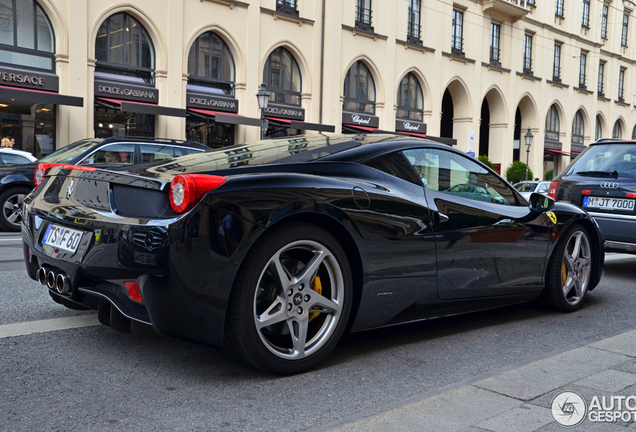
(519, 400)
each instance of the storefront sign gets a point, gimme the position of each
(209, 102)
(577, 148)
(285, 111)
(359, 119)
(553, 145)
(27, 79)
(126, 91)
(402, 125)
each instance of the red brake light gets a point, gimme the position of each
(187, 189)
(630, 195)
(552, 190)
(41, 169)
(133, 290)
(586, 192)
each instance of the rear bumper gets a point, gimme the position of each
(619, 231)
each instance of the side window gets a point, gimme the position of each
(396, 165)
(454, 174)
(153, 152)
(185, 151)
(14, 159)
(114, 154)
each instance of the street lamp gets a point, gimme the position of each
(263, 99)
(528, 137)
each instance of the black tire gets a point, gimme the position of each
(11, 206)
(260, 289)
(569, 272)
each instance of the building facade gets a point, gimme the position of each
(477, 74)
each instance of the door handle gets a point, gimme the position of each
(439, 217)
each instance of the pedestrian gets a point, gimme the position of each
(111, 157)
(6, 142)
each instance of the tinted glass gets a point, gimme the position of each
(25, 25)
(14, 159)
(606, 158)
(151, 152)
(457, 175)
(396, 165)
(70, 152)
(112, 154)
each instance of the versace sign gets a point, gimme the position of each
(27, 79)
(126, 91)
(203, 101)
(359, 119)
(412, 126)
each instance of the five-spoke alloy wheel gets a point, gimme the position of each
(292, 300)
(11, 202)
(569, 274)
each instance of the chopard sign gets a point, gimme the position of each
(410, 126)
(360, 119)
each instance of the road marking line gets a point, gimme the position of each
(49, 325)
(11, 239)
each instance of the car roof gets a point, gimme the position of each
(150, 140)
(613, 141)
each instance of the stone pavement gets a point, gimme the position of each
(520, 400)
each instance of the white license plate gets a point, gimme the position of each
(145, 258)
(62, 237)
(606, 203)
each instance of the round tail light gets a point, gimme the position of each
(187, 189)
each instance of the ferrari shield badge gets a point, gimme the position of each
(552, 217)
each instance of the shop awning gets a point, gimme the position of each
(142, 107)
(39, 96)
(312, 126)
(442, 140)
(554, 151)
(228, 118)
(356, 128)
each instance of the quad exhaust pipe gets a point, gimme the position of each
(58, 281)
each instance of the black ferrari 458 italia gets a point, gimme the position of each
(273, 249)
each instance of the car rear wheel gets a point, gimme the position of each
(291, 301)
(11, 204)
(569, 271)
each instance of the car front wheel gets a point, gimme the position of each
(569, 271)
(291, 301)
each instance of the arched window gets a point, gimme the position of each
(359, 89)
(578, 129)
(210, 64)
(410, 99)
(26, 35)
(123, 49)
(282, 77)
(552, 127)
(617, 132)
(599, 128)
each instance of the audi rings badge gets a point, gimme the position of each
(609, 185)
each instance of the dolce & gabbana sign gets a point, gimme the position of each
(402, 125)
(553, 145)
(126, 91)
(27, 79)
(202, 101)
(283, 111)
(359, 119)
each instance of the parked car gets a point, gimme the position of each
(273, 249)
(16, 181)
(527, 187)
(9, 156)
(602, 180)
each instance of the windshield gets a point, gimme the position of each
(71, 151)
(602, 160)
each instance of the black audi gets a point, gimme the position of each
(274, 249)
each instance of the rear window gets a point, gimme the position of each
(615, 160)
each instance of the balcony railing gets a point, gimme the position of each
(527, 65)
(582, 83)
(556, 74)
(494, 56)
(363, 18)
(600, 89)
(413, 33)
(457, 46)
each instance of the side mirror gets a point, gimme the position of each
(540, 203)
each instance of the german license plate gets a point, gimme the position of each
(62, 237)
(605, 203)
(145, 258)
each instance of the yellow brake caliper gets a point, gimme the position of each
(564, 274)
(316, 286)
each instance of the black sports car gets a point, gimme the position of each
(273, 249)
